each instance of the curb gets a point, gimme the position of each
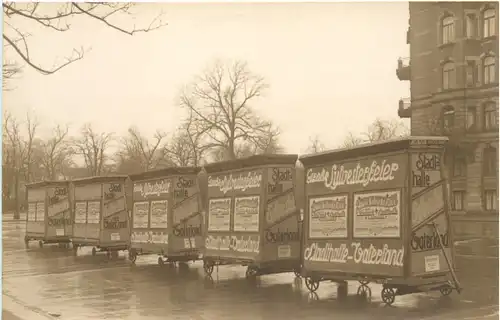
(22, 311)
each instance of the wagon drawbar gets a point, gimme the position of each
(252, 218)
(49, 218)
(379, 213)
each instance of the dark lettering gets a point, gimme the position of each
(277, 176)
(427, 161)
(186, 231)
(420, 179)
(115, 223)
(428, 241)
(181, 193)
(184, 183)
(57, 222)
(61, 192)
(109, 195)
(54, 199)
(282, 236)
(115, 187)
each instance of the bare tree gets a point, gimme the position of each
(56, 153)
(139, 152)
(378, 130)
(267, 143)
(315, 145)
(220, 101)
(92, 146)
(20, 151)
(57, 17)
(9, 71)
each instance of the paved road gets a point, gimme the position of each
(53, 281)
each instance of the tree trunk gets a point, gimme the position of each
(17, 216)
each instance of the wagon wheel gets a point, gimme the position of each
(388, 296)
(208, 266)
(75, 249)
(160, 261)
(132, 256)
(364, 291)
(40, 244)
(94, 251)
(251, 272)
(108, 254)
(312, 284)
(445, 291)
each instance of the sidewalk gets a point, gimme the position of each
(15, 310)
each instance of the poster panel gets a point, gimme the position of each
(159, 210)
(81, 212)
(377, 214)
(141, 214)
(328, 217)
(93, 212)
(219, 214)
(246, 214)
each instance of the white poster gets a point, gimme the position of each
(159, 217)
(31, 211)
(80, 212)
(40, 211)
(94, 212)
(431, 263)
(328, 217)
(219, 214)
(377, 214)
(141, 214)
(246, 214)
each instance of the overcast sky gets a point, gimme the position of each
(330, 67)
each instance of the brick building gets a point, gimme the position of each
(453, 74)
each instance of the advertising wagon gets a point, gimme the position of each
(49, 217)
(252, 218)
(379, 213)
(166, 215)
(100, 214)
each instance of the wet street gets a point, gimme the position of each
(52, 283)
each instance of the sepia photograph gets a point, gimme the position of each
(250, 160)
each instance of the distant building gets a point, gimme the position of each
(453, 74)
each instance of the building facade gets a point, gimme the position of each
(453, 74)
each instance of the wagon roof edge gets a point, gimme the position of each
(97, 179)
(46, 183)
(172, 171)
(365, 149)
(251, 161)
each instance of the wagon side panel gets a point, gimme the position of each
(233, 215)
(59, 222)
(186, 236)
(429, 210)
(115, 224)
(353, 214)
(35, 218)
(150, 215)
(281, 227)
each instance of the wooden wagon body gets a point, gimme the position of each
(379, 213)
(252, 217)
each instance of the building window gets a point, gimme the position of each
(490, 162)
(448, 75)
(470, 26)
(458, 200)
(490, 200)
(448, 25)
(448, 119)
(471, 118)
(489, 23)
(471, 73)
(489, 70)
(459, 166)
(491, 116)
